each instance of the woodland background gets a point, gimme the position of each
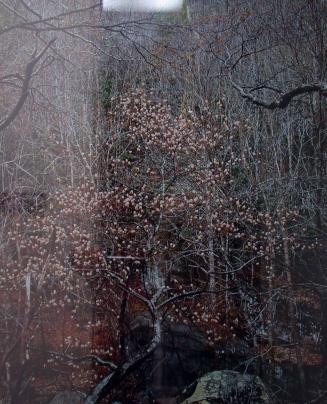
(163, 185)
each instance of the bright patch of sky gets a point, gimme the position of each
(142, 5)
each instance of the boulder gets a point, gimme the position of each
(67, 397)
(227, 386)
(182, 356)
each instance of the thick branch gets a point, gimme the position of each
(285, 98)
(102, 389)
(29, 70)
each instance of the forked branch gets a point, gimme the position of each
(285, 98)
(29, 71)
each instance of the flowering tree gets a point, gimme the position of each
(168, 235)
(189, 211)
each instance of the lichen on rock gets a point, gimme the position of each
(227, 386)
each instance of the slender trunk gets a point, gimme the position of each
(292, 313)
(271, 311)
(212, 280)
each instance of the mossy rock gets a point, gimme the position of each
(227, 386)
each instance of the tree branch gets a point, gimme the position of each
(92, 358)
(29, 70)
(285, 98)
(102, 389)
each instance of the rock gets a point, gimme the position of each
(182, 357)
(67, 397)
(227, 386)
